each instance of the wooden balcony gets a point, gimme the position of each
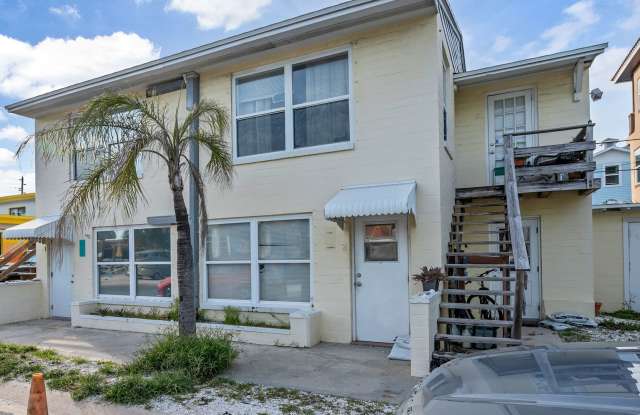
(557, 167)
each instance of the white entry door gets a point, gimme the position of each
(381, 280)
(507, 113)
(61, 281)
(632, 294)
(531, 230)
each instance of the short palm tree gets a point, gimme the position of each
(140, 129)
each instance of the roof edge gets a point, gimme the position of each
(523, 66)
(624, 72)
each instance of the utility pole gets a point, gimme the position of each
(21, 185)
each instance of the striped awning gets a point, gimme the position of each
(372, 199)
(43, 228)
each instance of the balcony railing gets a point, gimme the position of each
(557, 167)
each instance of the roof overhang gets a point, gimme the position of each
(372, 200)
(342, 18)
(606, 150)
(615, 206)
(629, 64)
(39, 229)
(528, 66)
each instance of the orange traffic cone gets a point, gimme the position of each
(37, 396)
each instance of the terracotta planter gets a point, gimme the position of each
(598, 307)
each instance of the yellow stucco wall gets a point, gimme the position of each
(396, 75)
(608, 256)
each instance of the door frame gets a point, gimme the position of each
(626, 257)
(50, 258)
(533, 93)
(352, 281)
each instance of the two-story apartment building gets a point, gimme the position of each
(355, 131)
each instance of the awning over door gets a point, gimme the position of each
(372, 199)
(37, 229)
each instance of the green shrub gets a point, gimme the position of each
(88, 385)
(136, 389)
(201, 356)
(232, 316)
(626, 314)
(63, 380)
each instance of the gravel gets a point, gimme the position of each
(601, 334)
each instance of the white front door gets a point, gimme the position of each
(531, 230)
(507, 113)
(61, 280)
(632, 285)
(382, 279)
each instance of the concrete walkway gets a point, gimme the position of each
(359, 372)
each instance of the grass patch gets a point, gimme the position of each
(108, 368)
(619, 325)
(136, 389)
(48, 355)
(625, 314)
(574, 335)
(202, 356)
(79, 360)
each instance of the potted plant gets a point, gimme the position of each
(430, 277)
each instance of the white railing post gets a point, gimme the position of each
(424, 310)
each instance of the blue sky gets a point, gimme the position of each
(96, 37)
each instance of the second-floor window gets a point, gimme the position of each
(18, 211)
(612, 175)
(293, 108)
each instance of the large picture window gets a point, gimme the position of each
(134, 262)
(259, 260)
(296, 107)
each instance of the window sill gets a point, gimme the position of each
(307, 151)
(265, 308)
(138, 301)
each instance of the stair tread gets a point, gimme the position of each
(474, 205)
(478, 222)
(461, 278)
(467, 306)
(489, 254)
(462, 291)
(477, 339)
(478, 213)
(474, 322)
(476, 232)
(448, 355)
(454, 242)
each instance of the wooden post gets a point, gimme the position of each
(518, 306)
(589, 154)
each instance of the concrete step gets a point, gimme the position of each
(477, 339)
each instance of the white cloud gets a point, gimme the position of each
(610, 113)
(27, 70)
(3, 115)
(501, 43)
(220, 13)
(7, 158)
(141, 2)
(633, 17)
(13, 133)
(580, 16)
(66, 10)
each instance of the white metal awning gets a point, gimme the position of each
(372, 199)
(37, 229)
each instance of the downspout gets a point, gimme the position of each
(192, 80)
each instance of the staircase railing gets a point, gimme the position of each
(516, 233)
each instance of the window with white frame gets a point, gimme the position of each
(134, 262)
(297, 106)
(611, 175)
(636, 155)
(259, 261)
(84, 161)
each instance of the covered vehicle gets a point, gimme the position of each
(540, 381)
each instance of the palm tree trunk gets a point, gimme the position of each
(187, 310)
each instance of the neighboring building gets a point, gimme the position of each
(355, 131)
(14, 210)
(614, 170)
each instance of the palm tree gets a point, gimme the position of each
(119, 130)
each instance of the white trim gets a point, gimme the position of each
(132, 298)
(255, 303)
(626, 258)
(604, 174)
(527, 66)
(289, 107)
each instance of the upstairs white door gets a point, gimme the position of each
(507, 113)
(61, 281)
(632, 285)
(381, 281)
(531, 230)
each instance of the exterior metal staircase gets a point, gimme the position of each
(15, 265)
(483, 291)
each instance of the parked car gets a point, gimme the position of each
(540, 381)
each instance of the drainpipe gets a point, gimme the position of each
(192, 80)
